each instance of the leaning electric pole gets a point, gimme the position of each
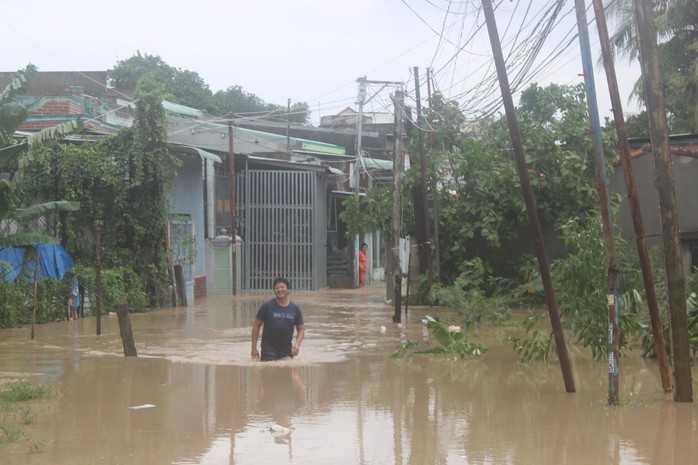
(531, 209)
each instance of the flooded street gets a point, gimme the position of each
(194, 396)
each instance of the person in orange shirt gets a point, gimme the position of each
(363, 263)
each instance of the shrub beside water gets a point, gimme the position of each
(118, 285)
(17, 302)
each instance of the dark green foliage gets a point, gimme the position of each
(538, 343)
(580, 282)
(119, 285)
(180, 86)
(473, 296)
(373, 212)
(18, 301)
(482, 212)
(235, 101)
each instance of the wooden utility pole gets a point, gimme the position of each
(36, 290)
(398, 161)
(233, 229)
(98, 280)
(664, 179)
(532, 210)
(631, 191)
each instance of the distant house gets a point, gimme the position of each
(349, 117)
(377, 147)
(281, 198)
(684, 156)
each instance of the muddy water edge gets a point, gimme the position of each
(194, 396)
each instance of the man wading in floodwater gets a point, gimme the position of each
(278, 316)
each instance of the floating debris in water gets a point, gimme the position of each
(139, 407)
(279, 430)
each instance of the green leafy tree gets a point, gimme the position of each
(180, 86)
(482, 213)
(234, 100)
(638, 125)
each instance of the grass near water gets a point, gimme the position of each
(16, 411)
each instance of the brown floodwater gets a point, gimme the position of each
(194, 396)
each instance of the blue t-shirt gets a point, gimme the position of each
(277, 331)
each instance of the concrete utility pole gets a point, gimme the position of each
(361, 101)
(421, 195)
(357, 164)
(288, 127)
(630, 187)
(532, 210)
(398, 162)
(233, 231)
(664, 178)
(432, 144)
(606, 216)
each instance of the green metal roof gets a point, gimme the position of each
(322, 147)
(378, 164)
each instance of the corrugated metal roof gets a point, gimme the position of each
(202, 153)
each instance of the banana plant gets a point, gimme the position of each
(17, 153)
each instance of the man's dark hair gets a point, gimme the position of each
(281, 280)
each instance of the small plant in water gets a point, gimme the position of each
(537, 344)
(21, 390)
(11, 416)
(452, 342)
(11, 433)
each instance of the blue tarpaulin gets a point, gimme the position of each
(54, 261)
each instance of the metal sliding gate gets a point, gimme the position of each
(276, 216)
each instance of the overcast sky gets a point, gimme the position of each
(310, 50)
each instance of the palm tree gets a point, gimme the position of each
(677, 40)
